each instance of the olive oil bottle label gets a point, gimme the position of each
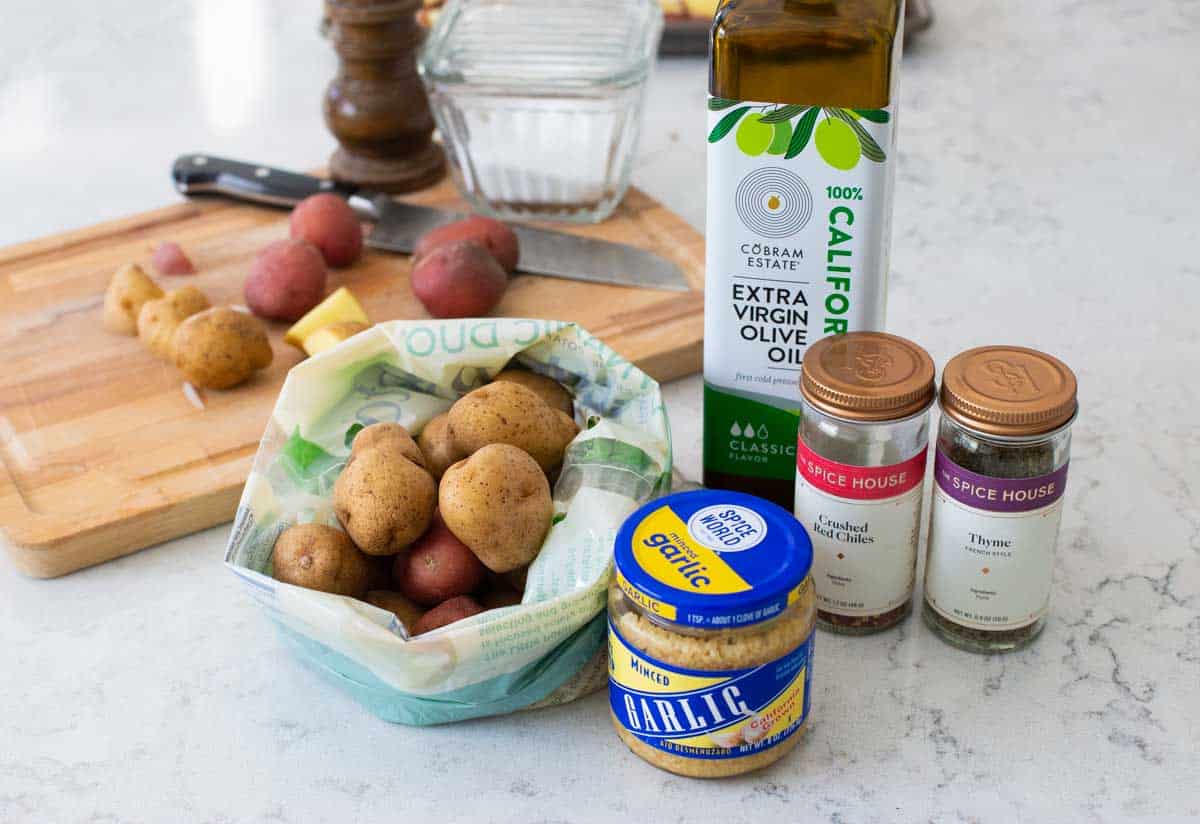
(799, 211)
(991, 546)
(864, 522)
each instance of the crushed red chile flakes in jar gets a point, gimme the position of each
(860, 460)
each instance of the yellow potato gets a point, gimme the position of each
(565, 429)
(159, 318)
(388, 436)
(219, 348)
(330, 336)
(339, 307)
(129, 288)
(383, 498)
(508, 413)
(551, 391)
(497, 502)
(320, 557)
(437, 444)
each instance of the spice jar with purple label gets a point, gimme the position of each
(999, 477)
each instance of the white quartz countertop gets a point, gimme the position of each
(1047, 195)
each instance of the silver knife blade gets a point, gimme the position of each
(543, 252)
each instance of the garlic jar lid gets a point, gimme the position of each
(1009, 391)
(867, 376)
(712, 558)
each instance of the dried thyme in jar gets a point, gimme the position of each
(860, 459)
(1000, 473)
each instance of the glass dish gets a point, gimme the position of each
(539, 102)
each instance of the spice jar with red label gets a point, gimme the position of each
(860, 459)
(999, 477)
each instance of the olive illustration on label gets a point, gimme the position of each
(786, 130)
(754, 136)
(782, 138)
(837, 144)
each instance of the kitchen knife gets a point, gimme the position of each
(399, 225)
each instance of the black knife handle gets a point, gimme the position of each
(204, 174)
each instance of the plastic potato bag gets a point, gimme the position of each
(544, 651)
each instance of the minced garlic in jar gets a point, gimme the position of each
(711, 618)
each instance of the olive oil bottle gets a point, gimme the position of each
(801, 160)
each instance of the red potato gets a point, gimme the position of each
(287, 278)
(327, 222)
(459, 280)
(447, 612)
(437, 567)
(492, 235)
(169, 259)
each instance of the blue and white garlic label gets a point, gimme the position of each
(708, 714)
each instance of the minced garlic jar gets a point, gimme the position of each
(711, 618)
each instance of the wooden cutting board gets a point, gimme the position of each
(102, 454)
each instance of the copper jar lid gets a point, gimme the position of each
(1009, 391)
(867, 376)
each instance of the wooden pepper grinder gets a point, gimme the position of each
(376, 107)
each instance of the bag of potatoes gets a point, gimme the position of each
(324, 533)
